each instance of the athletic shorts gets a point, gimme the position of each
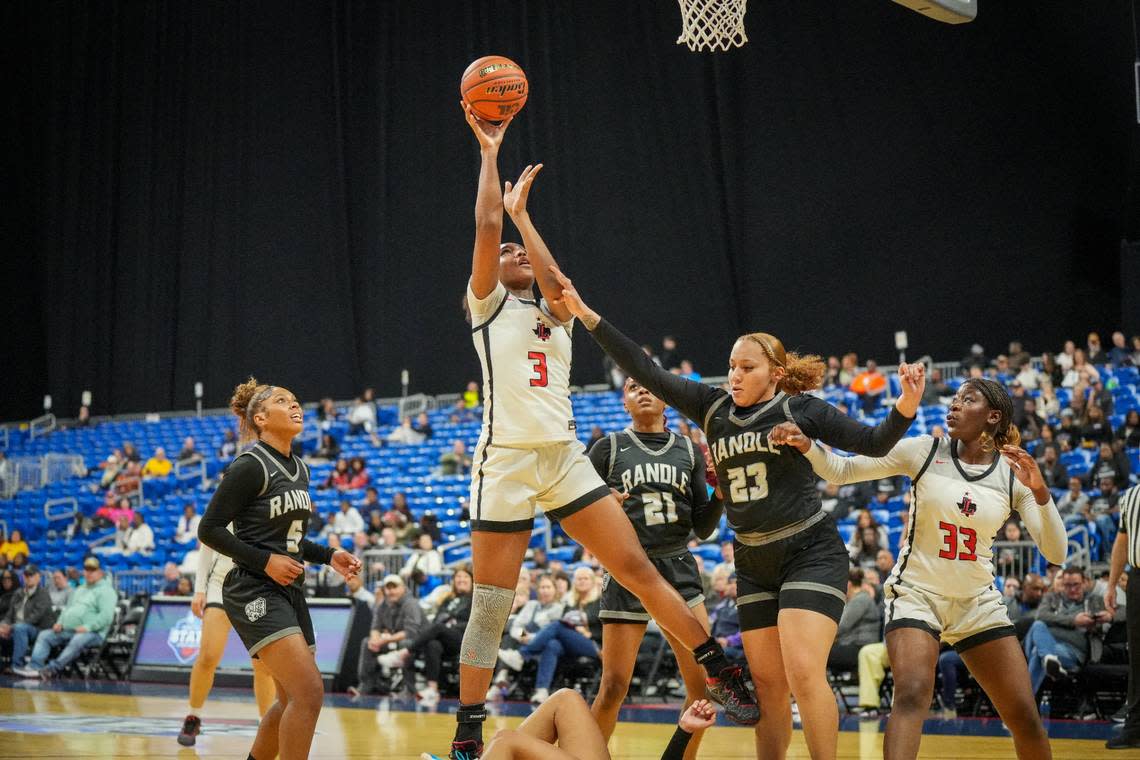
(807, 570)
(507, 484)
(262, 611)
(960, 622)
(620, 605)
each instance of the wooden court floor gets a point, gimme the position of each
(38, 721)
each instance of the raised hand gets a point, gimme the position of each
(700, 715)
(489, 134)
(515, 196)
(912, 380)
(789, 433)
(572, 301)
(345, 563)
(1024, 466)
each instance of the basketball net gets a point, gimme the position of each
(712, 24)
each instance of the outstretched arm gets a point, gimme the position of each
(689, 398)
(541, 259)
(1036, 507)
(488, 205)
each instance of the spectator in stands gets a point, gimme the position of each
(83, 623)
(1000, 369)
(859, 625)
(688, 372)
(1110, 458)
(184, 586)
(868, 552)
(370, 536)
(1048, 405)
(1054, 472)
(884, 564)
(158, 466)
(60, 590)
(1119, 355)
(870, 385)
(29, 613)
(130, 453)
(1046, 441)
(539, 559)
(396, 621)
(1057, 643)
(339, 477)
(1032, 424)
(140, 537)
(170, 578)
(456, 461)
(1068, 435)
(831, 376)
(423, 426)
(1081, 372)
(400, 516)
(327, 413)
(9, 586)
(358, 474)
(561, 579)
(371, 502)
(189, 452)
(129, 478)
(361, 417)
(1007, 559)
(936, 388)
(1067, 357)
(228, 449)
(111, 467)
(669, 358)
(110, 515)
(1105, 508)
(187, 531)
(424, 561)
(596, 434)
(347, 522)
(429, 524)
(471, 395)
(976, 359)
(829, 499)
(15, 544)
(1136, 350)
(578, 633)
(1102, 397)
(866, 520)
(405, 434)
(724, 620)
(1128, 434)
(848, 369)
(727, 557)
(442, 638)
(1096, 353)
(329, 448)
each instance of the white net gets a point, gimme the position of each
(712, 24)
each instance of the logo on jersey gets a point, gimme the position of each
(255, 610)
(542, 331)
(185, 638)
(605, 581)
(967, 506)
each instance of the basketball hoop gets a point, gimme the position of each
(712, 24)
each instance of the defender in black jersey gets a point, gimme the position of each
(265, 494)
(660, 477)
(790, 562)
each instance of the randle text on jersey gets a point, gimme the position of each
(656, 473)
(297, 498)
(741, 443)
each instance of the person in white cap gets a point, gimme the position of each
(395, 622)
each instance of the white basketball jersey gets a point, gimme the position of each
(956, 512)
(525, 353)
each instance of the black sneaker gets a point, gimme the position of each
(729, 690)
(1054, 668)
(1124, 740)
(191, 727)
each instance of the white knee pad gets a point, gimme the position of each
(490, 608)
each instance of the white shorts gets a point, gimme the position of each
(962, 622)
(508, 483)
(218, 570)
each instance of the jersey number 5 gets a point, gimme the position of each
(969, 542)
(293, 537)
(539, 359)
(738, 488)
(659, 508)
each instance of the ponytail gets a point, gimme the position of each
(801, 373)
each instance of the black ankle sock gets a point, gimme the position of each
(469, 722)
(711, 656)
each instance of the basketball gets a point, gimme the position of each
(495, 87)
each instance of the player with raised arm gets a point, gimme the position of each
(791, 564)
(659, 477)
(529, 455)
(966, 485)
(265, 494)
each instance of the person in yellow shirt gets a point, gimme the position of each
(158, 466)
(15, 544)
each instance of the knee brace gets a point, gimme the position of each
(490, 608)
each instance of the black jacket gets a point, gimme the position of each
(37, 608)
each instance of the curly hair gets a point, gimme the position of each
(801, 373)
(245, 403)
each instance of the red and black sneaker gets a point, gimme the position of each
(729, 690)
(191, 727)
(468, 749)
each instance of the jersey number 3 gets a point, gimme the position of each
(969, 542)
(539, 380)
(738, 488)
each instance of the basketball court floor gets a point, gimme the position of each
(121, 720)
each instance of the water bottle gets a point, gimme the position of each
(1046, 708)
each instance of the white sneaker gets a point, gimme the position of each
(540, 696)
(26, 672)
(428, 695)
(392, 659)
(512, 658)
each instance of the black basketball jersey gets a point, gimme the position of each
(277, 518)
(656, 470)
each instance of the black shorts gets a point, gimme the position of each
(805, 571)
(620, 605)
(262, 611)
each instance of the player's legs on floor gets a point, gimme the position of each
(292, 665)
(806, 637)
(766, 661)
(692, 674)
(269, 729)
(564, 718)
(620, 643)
(264, 688)
(913, 653)
(604, 529)
(1000, 668)
(215, 631)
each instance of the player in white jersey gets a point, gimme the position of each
(529, 454)
(207, 605)
(942, 587)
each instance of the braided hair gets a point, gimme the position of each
(1004, 433)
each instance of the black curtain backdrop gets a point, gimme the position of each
(204, 190)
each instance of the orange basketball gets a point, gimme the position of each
(495, 87)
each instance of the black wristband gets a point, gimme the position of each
(675, 750)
